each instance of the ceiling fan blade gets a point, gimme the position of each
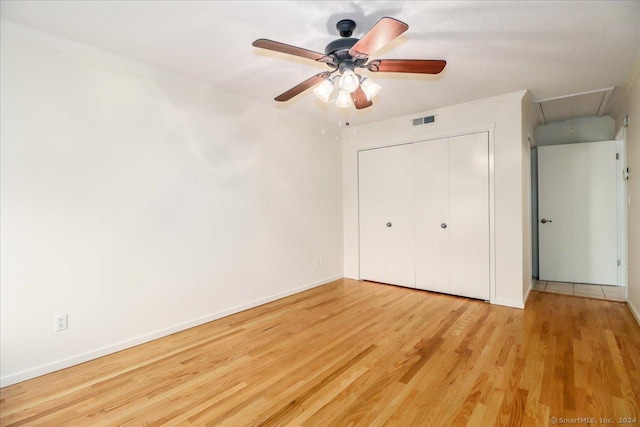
(288, 49)
(298, 89)
(419, 66)
(385, 30)
(360, 99)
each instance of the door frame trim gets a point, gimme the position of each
(622, 195)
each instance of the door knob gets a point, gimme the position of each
(388, 224)
(544, 221)
(443, 225)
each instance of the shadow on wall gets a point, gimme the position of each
(217, 129)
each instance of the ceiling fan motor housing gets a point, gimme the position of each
(339, 45)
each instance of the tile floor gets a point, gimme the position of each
(611, 293)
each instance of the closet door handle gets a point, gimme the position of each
(443, 225)
(388, 224)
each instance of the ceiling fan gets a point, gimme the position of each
(345, 55)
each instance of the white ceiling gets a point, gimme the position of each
(553, 49)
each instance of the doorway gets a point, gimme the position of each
(580, 223)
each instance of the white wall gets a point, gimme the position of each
(629, 105)
(589, 129)
(142, 204)
(503, 117)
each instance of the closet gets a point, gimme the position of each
(424, 215)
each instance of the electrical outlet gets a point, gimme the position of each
(316, 263)
(61, 322)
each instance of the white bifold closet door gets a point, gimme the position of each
(387, 228)
(432, 211)
(452, 215)
(424, 215)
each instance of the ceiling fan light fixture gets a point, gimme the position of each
(347, 54)
(324, 90)
(349, 81)
(344, 99)
(370, 88)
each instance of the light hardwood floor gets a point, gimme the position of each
(358, 353)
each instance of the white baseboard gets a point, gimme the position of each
(634, 311)
(508, 303)
(122, 345)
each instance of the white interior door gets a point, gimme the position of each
(387, 228)
(432, 210)
(468, 224)
(577, 223)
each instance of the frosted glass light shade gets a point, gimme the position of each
(370, 88)
(323, 90)
(344, 99)
(349, 81)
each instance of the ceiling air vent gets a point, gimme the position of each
(424, 120)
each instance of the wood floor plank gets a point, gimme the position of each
(359, 353)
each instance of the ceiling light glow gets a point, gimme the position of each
(369, 88)
(349, 81)
(324, 90)
(344, 99)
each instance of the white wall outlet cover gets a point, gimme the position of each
(60, 322)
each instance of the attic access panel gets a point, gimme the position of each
(576, 106)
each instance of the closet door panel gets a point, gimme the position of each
(387, 228)
(373, 212)
(400, 196)
(469, 215)
(432, 210)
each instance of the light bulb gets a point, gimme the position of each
(370, 88)
(349, 81)
(323, 91)
(344, 99)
